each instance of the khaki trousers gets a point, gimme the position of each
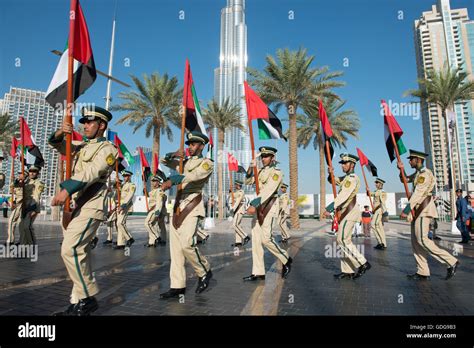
(13, 222)
(423, 246)
(162, 228)
(111, 223)
(377, 226)
(282, 219)
(151, 227)
(239, 232)
(27, 232)
(123, 235)
(352, 258)
(76, 255)
(262, 237)
(183, 247)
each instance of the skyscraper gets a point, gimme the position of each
(229, 80)
(42, 121)
(446, 36)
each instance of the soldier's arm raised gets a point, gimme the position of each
(347, 189)
(199, 173)
(273, 183)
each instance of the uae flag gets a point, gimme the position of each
(84, 73)
(232, 163)
(364, 161)
(144, 164)
(126, 158)
(392, 127)
(14, 147)
(210, 145)
(327, 131)
(76, 137)
(269, 125)
(32, 153)
(194, 120)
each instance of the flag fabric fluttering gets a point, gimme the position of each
(126, 158)
(31, 151)
(111, 135)
(256, 108)
(14, 147)
(77, 137)
(364, 161)
(144, 164)
(210, 146)
(193, 116)
(391, 126)
(155, 163)
(241, 170)
(84, 72)
(232, 163)
(327, 131)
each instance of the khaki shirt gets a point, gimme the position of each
(348, 188)
(196, 173)
(380, 198)
(157, 201)
(269, 180)
(94, 161)
(18, 192)
(423, 182)
(32, 194)
(127, 192)
(239, 197)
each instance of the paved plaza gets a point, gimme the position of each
(131, 281)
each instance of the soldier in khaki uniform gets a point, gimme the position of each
(188, 209)
(31, 206)
(127, 191)
(155, 201)
(15, 216)
(380, 197)
(284, 213)
(421, 203)
(163, 198)
(238, 209)
(353, 263)
(266, 207)
(111, 204)
(87, 187)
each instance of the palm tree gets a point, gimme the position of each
(344, 123)
(445, 88)
(290, 81)
(155, 105)
(223, 117)
(8, 129)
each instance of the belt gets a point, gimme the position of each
(421, 207)
(348, 208)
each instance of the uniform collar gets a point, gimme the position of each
(96, 140)
(196, 157)
(422, 169)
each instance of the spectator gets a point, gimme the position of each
(366, 218)
(5, 207)
(462, 216)
(470, 209)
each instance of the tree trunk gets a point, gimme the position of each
(322, 181)
(220, 158)
(293, 160)
(156, 146)
(56, 210)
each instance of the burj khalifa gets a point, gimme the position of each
(229, 80)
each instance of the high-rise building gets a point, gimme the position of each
(229, 82)
(42, 121)
(445, 37)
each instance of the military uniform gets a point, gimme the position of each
(93, 164)
(239, 208)
(422, 203)
(111, 204)
(15, 216)
(127, 191)
(283, 215)
(266, 202)
(2, 180)
(188, 209)
(32, 191)
(157, 200)
(353, 263)
(380, 197)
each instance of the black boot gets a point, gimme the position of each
(68, 312)
(417, 276)
(107, 242)
(362, 269)
(286, 269)
(85, 307)
(130, 242)
(452, 270)
(173, 293)
(253, 277)
(94, 242)
(246, 240)
(203, 282)
(344, 275)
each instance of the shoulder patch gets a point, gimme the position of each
(206, 166)
(275, 177)
(110, 160)
(347, 184)
(421, 180)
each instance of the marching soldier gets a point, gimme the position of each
(353, 263)
(31, 206)
(15, 217)
(238, 209)
(380, 197)
(266, 207)
(111, 202)
(162, 215)
(422, 205)
(188, 209)
(155, 201)
(284, 213)
(127, 191)
(87, 187)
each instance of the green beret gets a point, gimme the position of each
(417, 154)
(347, 157)
(197, 137)
(267, 150)
(380, 180)
(92, 112)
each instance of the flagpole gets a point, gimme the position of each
(22, 159)
(117, 185)
(331, 171)
(397, 153)
(252, 145)
(231, 187)
(367, 186)
(69, 100)
(143, 180)
(12, 178)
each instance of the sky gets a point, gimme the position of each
(370, 41)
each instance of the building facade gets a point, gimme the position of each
(445, 37)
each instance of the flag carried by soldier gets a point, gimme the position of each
(364, 161)
(327, 132)
(32, 153)
(125, 157)
(392, 128)
(193, 118)
(84, 72)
